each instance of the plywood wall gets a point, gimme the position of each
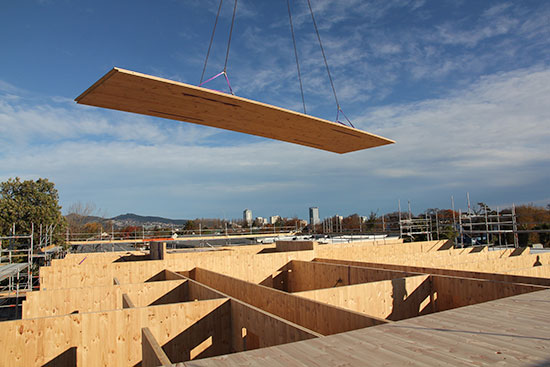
(269, 329)
(250, 263)
(245, 265)
(152, 354)
(304, 276)
(295, 245)
(453, 292)
(207, 337)
(319, 317)
(65, 301)
(532, 271)
(111, 338)
(450, 272)
(395, 299)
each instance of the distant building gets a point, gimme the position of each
(260, 221)
(273, 219)
(247, 217)
(314, 216)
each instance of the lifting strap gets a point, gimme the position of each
(224, 71)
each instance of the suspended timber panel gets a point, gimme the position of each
(129, 91)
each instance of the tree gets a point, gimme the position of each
(23, 203)
(351, 222)
(371, 221)
(531, 217)
(77, 215)
(190, 225)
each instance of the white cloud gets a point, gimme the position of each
(490, 131)
(498, 125)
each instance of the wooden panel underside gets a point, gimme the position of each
(129, 91)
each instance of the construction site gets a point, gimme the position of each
(398, 295)
(294, 303)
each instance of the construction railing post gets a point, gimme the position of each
(461, 228)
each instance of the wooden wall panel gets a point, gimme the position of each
(304, 276)
(295, 245)
(395, 299)
(96, 257)
(453, 292)
(499, 261)
(111, 338)
(85, 275)
(65, 301)
(237, 263)
(450, 272)
(242, 264)
(208, 336)
(316, 316)
(127, 301)
(532, 271)
(270, 329)
(379, 248)
(157, 250)
(152, 354)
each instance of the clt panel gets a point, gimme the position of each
(130, 91)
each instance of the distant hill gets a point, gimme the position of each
(126, 219)
(85, 219)
(140, 219)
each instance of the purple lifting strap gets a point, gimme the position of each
(214, 77)
(338, 115)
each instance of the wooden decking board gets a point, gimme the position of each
(479, 335)
(129, 91)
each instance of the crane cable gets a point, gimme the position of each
(339, 109)
(296, 54)
(211, 40)
(230, 33)
(224, 71)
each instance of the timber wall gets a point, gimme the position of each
(304, 276)
(65, 301)
(249, 263)
(110, 338)
(319, 317)
(453, 292)
(395, 299)
(451, 272)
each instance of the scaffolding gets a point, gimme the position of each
(416, 227)
(412, 227)
(15, 272)
(18, 253)
(487, 226)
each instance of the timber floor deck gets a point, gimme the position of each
(513, 331)
(129, 91)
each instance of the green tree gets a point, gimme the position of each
(23, 203)
(191, 225)
(371, 221)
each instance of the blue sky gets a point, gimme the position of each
(463, 87)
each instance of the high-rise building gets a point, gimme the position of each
(247, 217)
(314, 216)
